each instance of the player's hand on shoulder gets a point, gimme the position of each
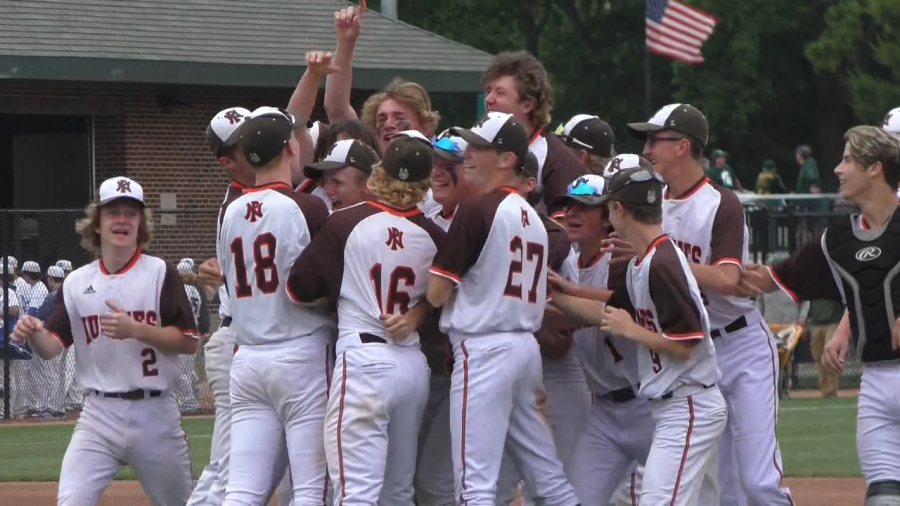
(210, 274)
(621, 251)
(117, 324)
(25, 327)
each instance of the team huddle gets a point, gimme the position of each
(470, 317)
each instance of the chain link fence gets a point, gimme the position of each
(33, 388)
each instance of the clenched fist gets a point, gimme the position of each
(26, 326)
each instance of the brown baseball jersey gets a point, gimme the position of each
(234, 191)
(557, 168)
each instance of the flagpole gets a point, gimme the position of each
(648, 110)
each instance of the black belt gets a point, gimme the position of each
(732, 327)
(370, 338)
(134, 395)
(622, 395)
(226, 322)
(668, 395)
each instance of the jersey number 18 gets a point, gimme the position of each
(264, 269)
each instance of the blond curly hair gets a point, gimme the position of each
(409, 94)
(394, 192)
(90, 238)
(531, 80)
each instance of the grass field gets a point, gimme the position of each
(817, 436)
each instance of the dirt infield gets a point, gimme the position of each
(818, 491)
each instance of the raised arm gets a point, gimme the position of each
(348, 25)
(318, 65)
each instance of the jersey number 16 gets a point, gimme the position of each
(397, 299)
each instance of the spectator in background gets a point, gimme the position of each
(55, 277)
(823, 318)
(9, 294)
(65, 265)
(19, 284)
(768, 181)
(73, 395)
(808, 178)
(36, 291)
(190, 382)
(704, 162)
(721, 173)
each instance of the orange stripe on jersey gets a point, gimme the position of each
(63, 343)
(537, 133)
(782, 285)
(238, 185)
(558, 215)
(301, 188)
(692, 190)
(656, 242)
(444, 274)
(128, 266)
(728, 260)
(402, 213)
(268, 186)
(508, 189)
(683, 337)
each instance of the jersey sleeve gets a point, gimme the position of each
(463, 243)
(174, 307)
(58, 323)
(679, 316)
(318, 271)
(620, 298)
(314, 210)
(727, 243)
(559, 244)
(807, 275)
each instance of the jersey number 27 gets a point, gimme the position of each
(524, 252)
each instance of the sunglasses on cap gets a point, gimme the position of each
(447, 144)
(637, 176)
(583, 187)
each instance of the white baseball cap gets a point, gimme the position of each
(223, 128)
(54, 271)
(625, 161)
(892, 121)
(120, 187)
(13, 263)
(31, 266)
(185, 266)
(64, 265)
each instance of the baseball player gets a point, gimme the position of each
(128, 317)
(222, 133)
(262, 234)
(620, 427)
(344, 172)
(659, 306)
(854, 262)
(35, 290)
(707, 223)
(591, 139)
(372, 260)
(495, 256)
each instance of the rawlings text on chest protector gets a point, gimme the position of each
(868, 277)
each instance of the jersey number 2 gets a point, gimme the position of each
(149, 355)
(395, 296)
(522, 252)
(264, 269)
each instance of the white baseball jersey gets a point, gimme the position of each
(151, 291)
(609, 361)
(13, 302)
(707, 224)
(370, 259)
(442, 219)
(36, 295)
(263, 233)
(663, 297)
(234, 191)
(311, 187)
(496, 252)
(428, 204)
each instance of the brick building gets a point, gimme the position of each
(95, 88)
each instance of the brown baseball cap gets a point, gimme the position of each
(343, 153)
(264, 134)
(498, 131)
(409, 157)
(589, 133)
(683, 118)
(638, 185)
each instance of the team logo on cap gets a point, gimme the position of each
(233, 117)
(124, 186)
(651, 197)
(254, 158)
(403, 174)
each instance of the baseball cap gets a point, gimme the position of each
(718, 153)
(623, 162)
(31, 266)
(120, 187)
(590, 133)
(639, 186)
(264, 135)
(54, 271)
(185, 266)
(346, 152)
(683, 118)
(449, 147)
(222, 130)
(409, 157)
(13, 263)
(587, 190)
(892, 121)
(499, 131)
(530, 167)
(65, 265)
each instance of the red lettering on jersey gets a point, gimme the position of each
(693, 253)
(525, 221)
(151, 318)
(254, 211)
(395, 239)
(137, 316)
(644, 318)
(91, 326)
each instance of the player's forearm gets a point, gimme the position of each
(843, 330)
(718, 278)
(587, 311)
(677, 350)
(45, 344)
(417, 313)
(439, 290)
(303, 100)
(307, 153)
(338, 85)
(589, 292)
(171, 340)
(557, 321)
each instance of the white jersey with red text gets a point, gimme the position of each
(707, 224)
(263, 232)
(152, 292)
(499, 261)
(665, 299)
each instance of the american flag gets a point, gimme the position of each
(677, 30)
